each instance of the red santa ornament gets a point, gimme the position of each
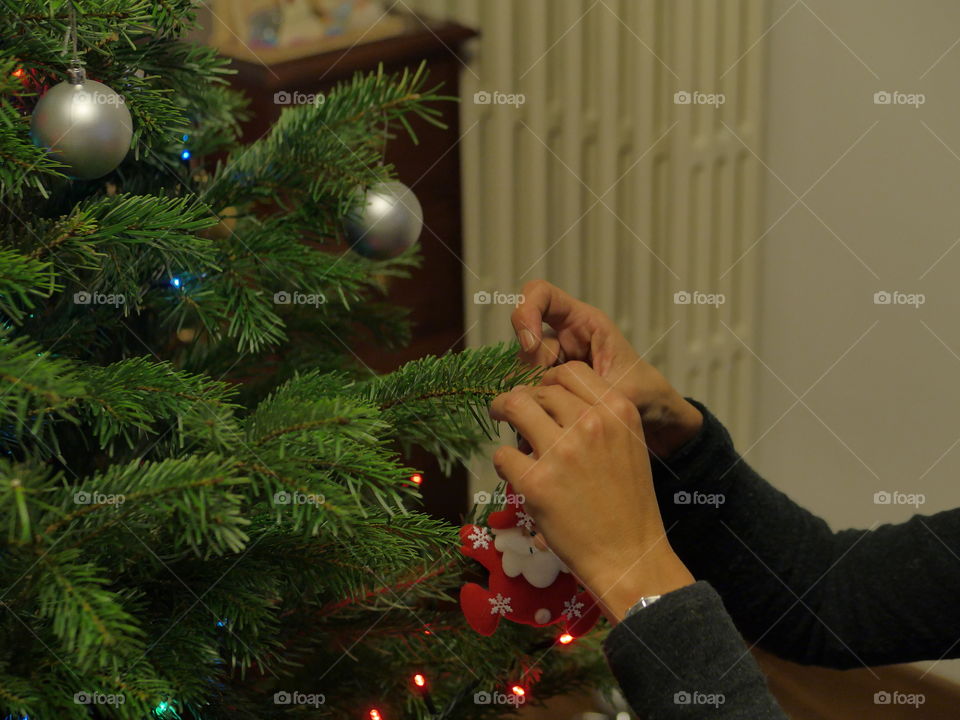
(526, 585)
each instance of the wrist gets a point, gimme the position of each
(619, 589)
(683, 423)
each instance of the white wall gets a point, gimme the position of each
(882, 414)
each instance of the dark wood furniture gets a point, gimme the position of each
(434, 293)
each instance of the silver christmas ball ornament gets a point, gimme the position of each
(84, 124)
(387, 221)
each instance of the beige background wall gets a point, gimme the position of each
(879, 187)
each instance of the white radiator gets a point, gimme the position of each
(601, 183)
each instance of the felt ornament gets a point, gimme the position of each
(526, 585)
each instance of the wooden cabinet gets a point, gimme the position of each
(434, 293)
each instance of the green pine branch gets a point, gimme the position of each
(441, 403)
(24, 281)
(316, 156)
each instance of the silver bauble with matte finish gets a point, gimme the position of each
(387, 222)
(84, 124)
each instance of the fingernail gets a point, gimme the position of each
(527, 341)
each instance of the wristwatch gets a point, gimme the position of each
(643, 602)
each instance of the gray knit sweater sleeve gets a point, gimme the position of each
(682, 657)
(795, 587)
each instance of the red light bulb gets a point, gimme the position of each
(416, 478)
(518, 691)
(375, 715)
(565, 639)
(419, 680)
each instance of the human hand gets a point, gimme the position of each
(609, 533)
(582, 332)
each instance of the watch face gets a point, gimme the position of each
(642, 603)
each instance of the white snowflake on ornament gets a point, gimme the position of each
(525, 520)
(500, 605)
(572, 608)
(480, 536)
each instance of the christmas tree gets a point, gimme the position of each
(206, 511)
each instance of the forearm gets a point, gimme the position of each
(670, 423)
(791, 584)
